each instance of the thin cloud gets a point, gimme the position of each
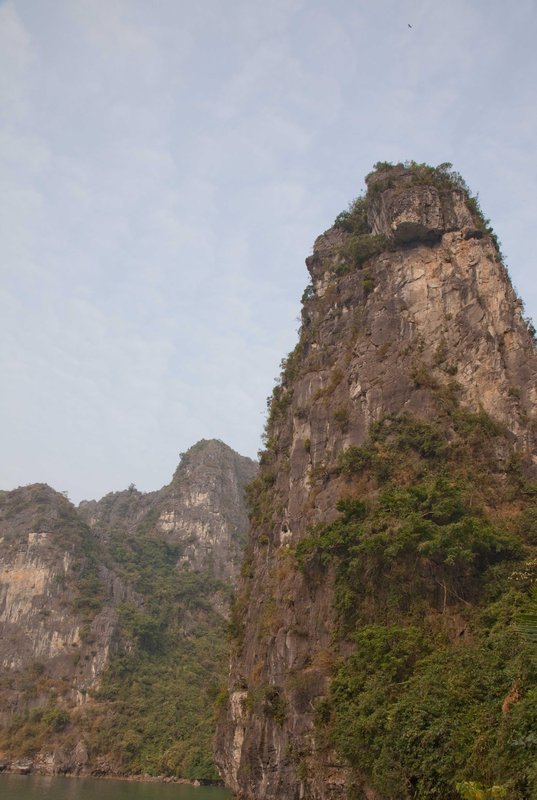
(165, 171)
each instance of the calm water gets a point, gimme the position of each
(41, 787)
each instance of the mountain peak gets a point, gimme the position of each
(393, 501)
(208, 452)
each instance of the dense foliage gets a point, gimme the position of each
(360, 244)
(153, 713)
(435, 564)
(154, 709)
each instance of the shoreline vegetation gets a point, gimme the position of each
(27, 768)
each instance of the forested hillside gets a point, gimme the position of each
(114, 619)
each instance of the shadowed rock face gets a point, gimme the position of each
(61, 585)
(431, 316)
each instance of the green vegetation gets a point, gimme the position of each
(52, 514)
(444, 178)
(153, 712)
(308, 293)
(89, 595)
(259, 498)
(368, 284)
(354, 220)
(435, 563)
(267, 701)
(358, 249)
(342, 417)
(417, 716)
(27, 733)
(527, 622)
(470, 790)
(361, 244)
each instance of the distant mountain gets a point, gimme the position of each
(113, 619)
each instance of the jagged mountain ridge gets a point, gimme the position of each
(87, 592)
(415, 372)
(202, 509)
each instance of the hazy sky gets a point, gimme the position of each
(165, 167)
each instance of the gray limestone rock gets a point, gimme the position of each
(60, 588)
(432, 312)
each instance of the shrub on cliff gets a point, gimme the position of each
(430, 584)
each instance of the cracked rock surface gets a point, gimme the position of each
(431, 313)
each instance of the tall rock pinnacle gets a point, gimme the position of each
(415, 377)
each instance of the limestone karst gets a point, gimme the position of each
(113, 620)
(393, 519)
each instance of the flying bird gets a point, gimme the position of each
(409, 25)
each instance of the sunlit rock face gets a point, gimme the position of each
(428, 315)
(202, 509)
(405, 212)
(46, 641)
(62, 587)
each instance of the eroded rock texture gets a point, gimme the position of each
(202, 510)
(431, 316)
(66, 573)
(46, 638)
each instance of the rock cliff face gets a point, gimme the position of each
(202, 510)
(81, 591)
(410, 315)
(47, 555)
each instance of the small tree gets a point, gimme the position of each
(470, 790)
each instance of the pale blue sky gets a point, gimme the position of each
(165, 167)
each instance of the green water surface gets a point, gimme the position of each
(41, 787)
